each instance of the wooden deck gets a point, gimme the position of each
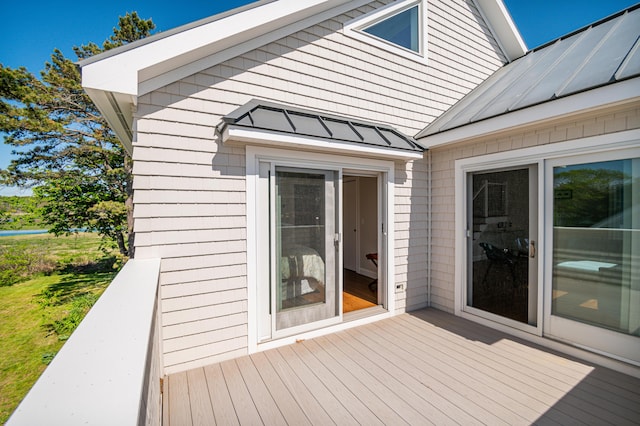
(424, 367)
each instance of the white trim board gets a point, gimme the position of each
(504, 30)
(125, 71)
(235, 135)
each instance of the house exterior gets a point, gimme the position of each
(279, 144)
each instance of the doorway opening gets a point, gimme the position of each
(360, 243)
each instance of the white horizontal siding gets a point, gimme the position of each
(216, 272)
(207, 337)
(202, 300)
(204, 352)
(186, 197)
(186, 210)
(190, 184)
(162, 239)
(194, 249)
(411, 231)
(142, 168)
(202, 287)
(190, 200)
(188, 223)
(218, 316)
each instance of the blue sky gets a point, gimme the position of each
(30, 31)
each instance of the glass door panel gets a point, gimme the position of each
(596, 252)
(502, 224)
(305, 246)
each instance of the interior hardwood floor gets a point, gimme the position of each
(357, 294)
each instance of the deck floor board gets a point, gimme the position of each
(201, 409)
(224, 412)
(444, 380)
(389, 395)
(424, 367)
(279, 391)
(300, 393)
(245, 408)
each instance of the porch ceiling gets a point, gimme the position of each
(275, 119)
(424, 367)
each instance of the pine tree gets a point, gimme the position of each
(65, 149)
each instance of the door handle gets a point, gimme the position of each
(532, 249)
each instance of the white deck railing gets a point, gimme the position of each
(108, 372)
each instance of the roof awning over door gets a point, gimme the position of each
(270, 124)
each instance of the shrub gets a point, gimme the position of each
(14, 266)
(79, 308)
(18, 262)
(47, 357)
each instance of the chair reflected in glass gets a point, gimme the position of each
(503, 288)
(498, 257)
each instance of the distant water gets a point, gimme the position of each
(29, 232)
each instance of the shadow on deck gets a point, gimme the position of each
(423, 367)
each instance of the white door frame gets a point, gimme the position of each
(533, 234)
(385, 169)
(487, 164)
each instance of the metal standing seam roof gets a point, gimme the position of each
(274, 117)
(600, 54)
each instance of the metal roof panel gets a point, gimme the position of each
(342, 130)
(285, 119)
(606, 58)
(631, 65)
(597, 55)
(483, 101)
(533, 71)
(309, 125)
(563, 71)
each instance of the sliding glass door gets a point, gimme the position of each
(304, 227)
(295, 239)
(502, 224)
(594, 298)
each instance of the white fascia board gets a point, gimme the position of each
(189, 63)
(123, 72)
(627, 91)
(503, 28)
(236, 135)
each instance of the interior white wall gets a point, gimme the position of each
(368, 223)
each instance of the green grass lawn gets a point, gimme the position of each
(38, 313)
